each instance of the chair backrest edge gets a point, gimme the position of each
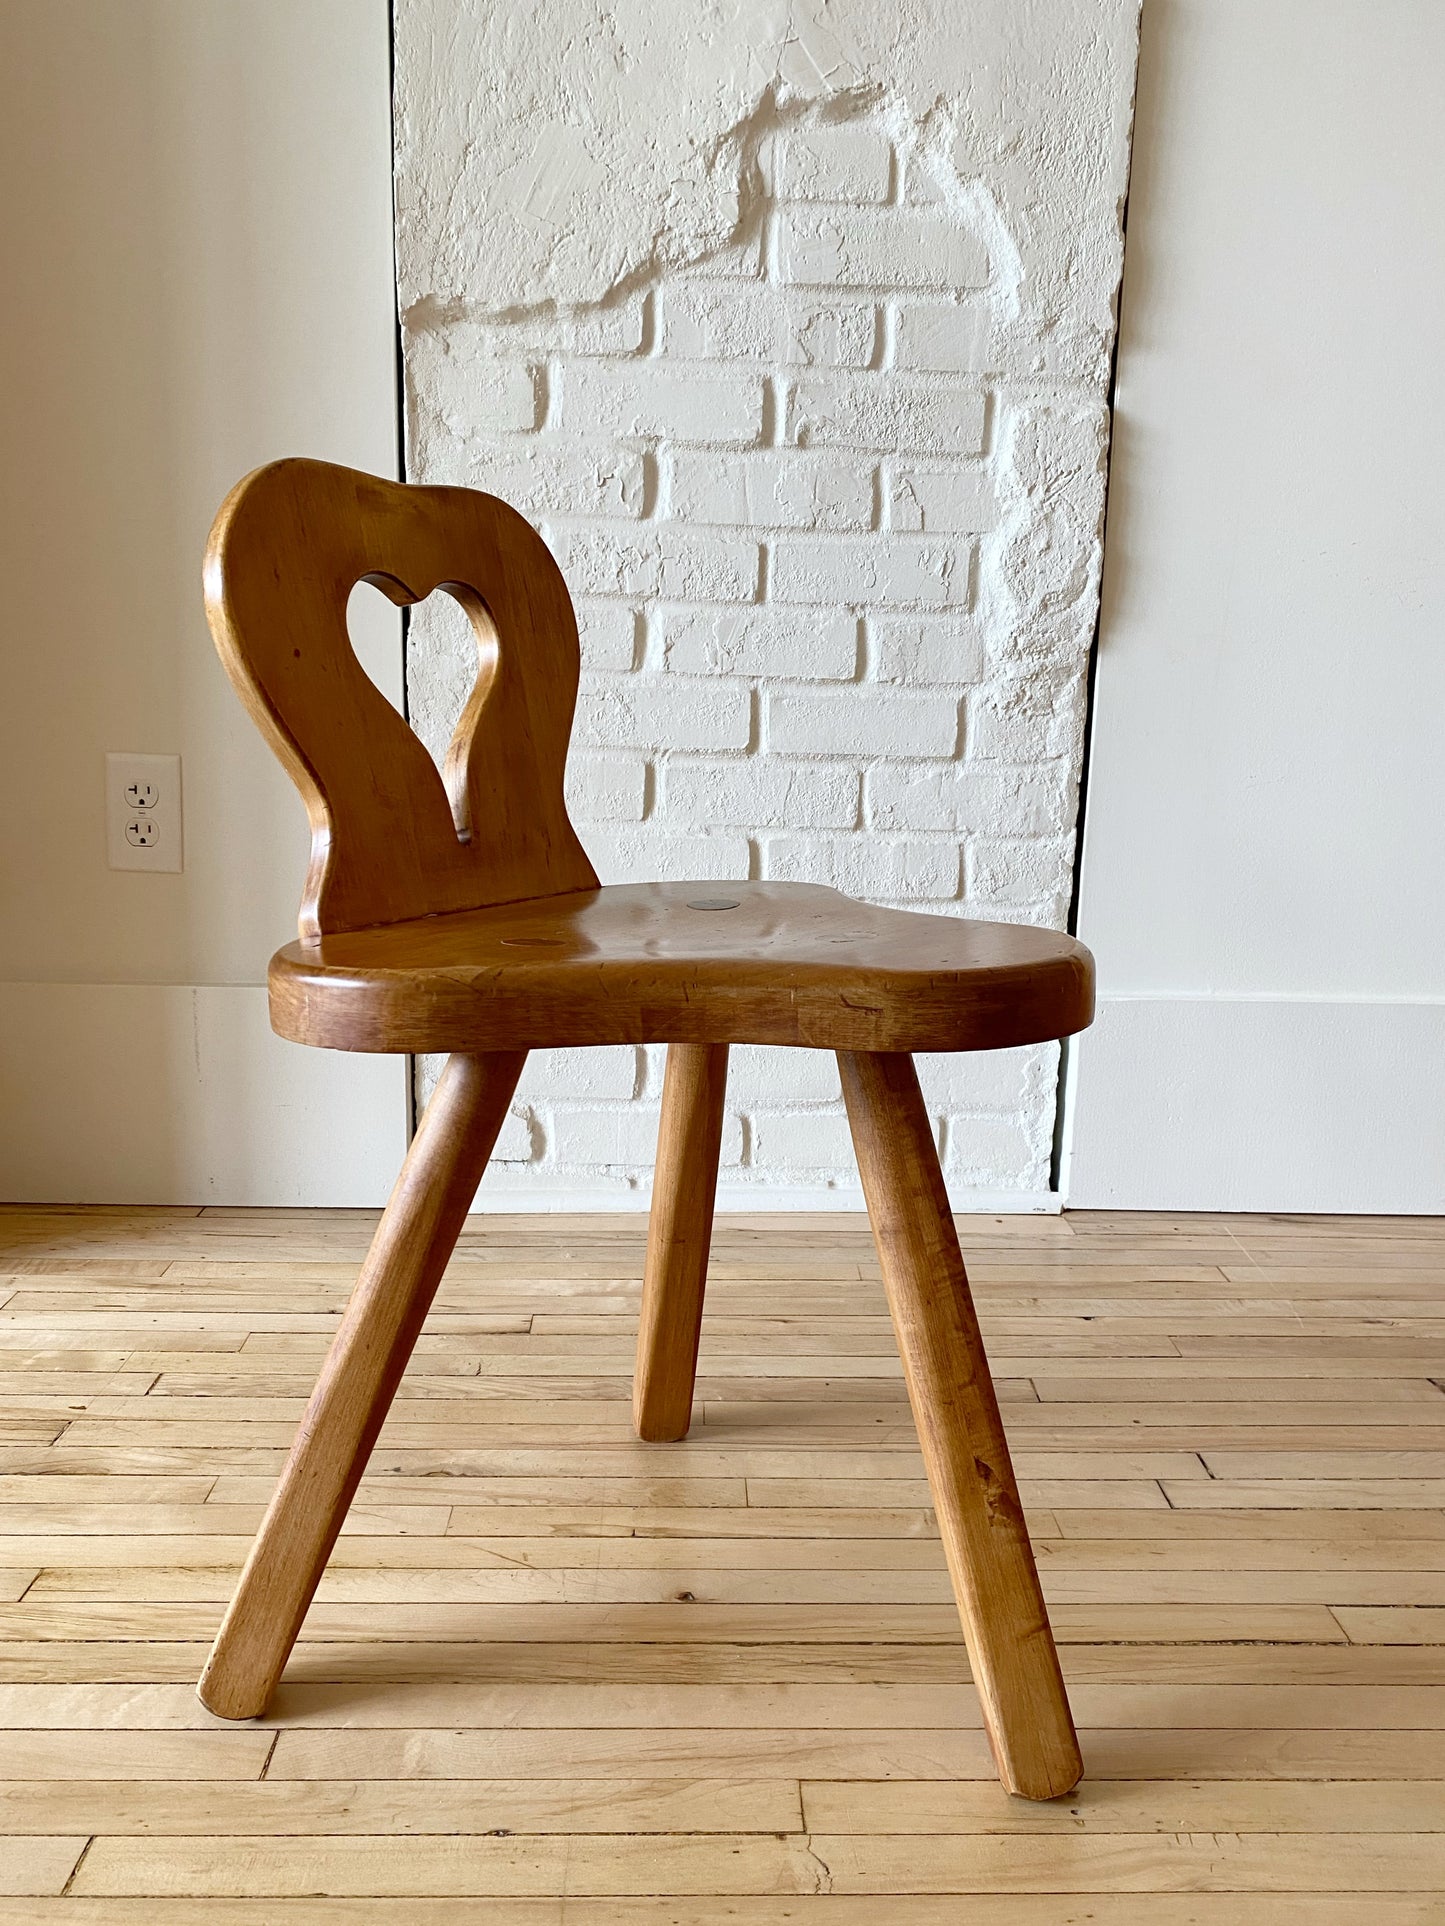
(388, 842)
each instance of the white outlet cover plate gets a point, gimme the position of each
(147, 836)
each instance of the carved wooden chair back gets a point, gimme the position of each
(391, 838)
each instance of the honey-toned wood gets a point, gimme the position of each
(679, 1233)
(980, 1517)
(358, 1381)
(458, 912)
(793, 963)
(389, 839)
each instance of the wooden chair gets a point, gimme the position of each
(459, 913)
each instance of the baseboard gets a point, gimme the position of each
(133, 1093)
(539, 1191)
(1258, 1104)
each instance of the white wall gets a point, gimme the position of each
(1262, 875)
(196, 239)
(792, 326)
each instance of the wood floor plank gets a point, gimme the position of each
(758, 1752)
(181, 1808)
(373, 1662)
(1393, 1624)
(193, 1756)
(681, 1577)
(1151, 1863)
(406, 1867)
(37, 1866)
(1361, 1493)
(989, 1909)
(55, 1516)
(679, 1620)
(1114, 1805)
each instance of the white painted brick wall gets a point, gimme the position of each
(803, 381)
(764, 644)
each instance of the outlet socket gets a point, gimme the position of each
(143, 812)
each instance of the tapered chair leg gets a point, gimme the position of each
(990, 1560)
(403, 1268)
(679, 1231)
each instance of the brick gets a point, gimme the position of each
(739, 261)
(653, 712)
(939, 650)
(808, 1140)
(1020, 871)
(760, 792)
(469, 388)
(625, 1136)
(611, 330)
(860, 721)
(652, 852)
(983, 1080)
(608, 1073)
(652, 399)
(1027, 718)
(541, 478)
(785, 491)
(897, 412)
(832, 334)
(888, 570)
(865, 866)
(516, 1141)
(996, 1153)
(600, 558)
(949, 340)
(609, 634)
(707, 321)
(778, 1077)
(728, 321)
(888, 248)
(834, 163)
(997, 796)
(934, 501)
(603, 789)
(761, 642)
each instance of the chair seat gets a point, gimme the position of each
(705, 962)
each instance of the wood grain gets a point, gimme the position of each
(975, 1495)
(1266, 1763)
(1290, 1773)
(371, 1350)
(389, 838)
(791, 963)
(679, 1235)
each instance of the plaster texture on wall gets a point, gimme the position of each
(790, 325)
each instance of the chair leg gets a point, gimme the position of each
(678, 1233)
(990, 1560)
(403, 1268)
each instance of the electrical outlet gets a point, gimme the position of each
(143, 812)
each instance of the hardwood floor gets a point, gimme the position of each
(556, 1677)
